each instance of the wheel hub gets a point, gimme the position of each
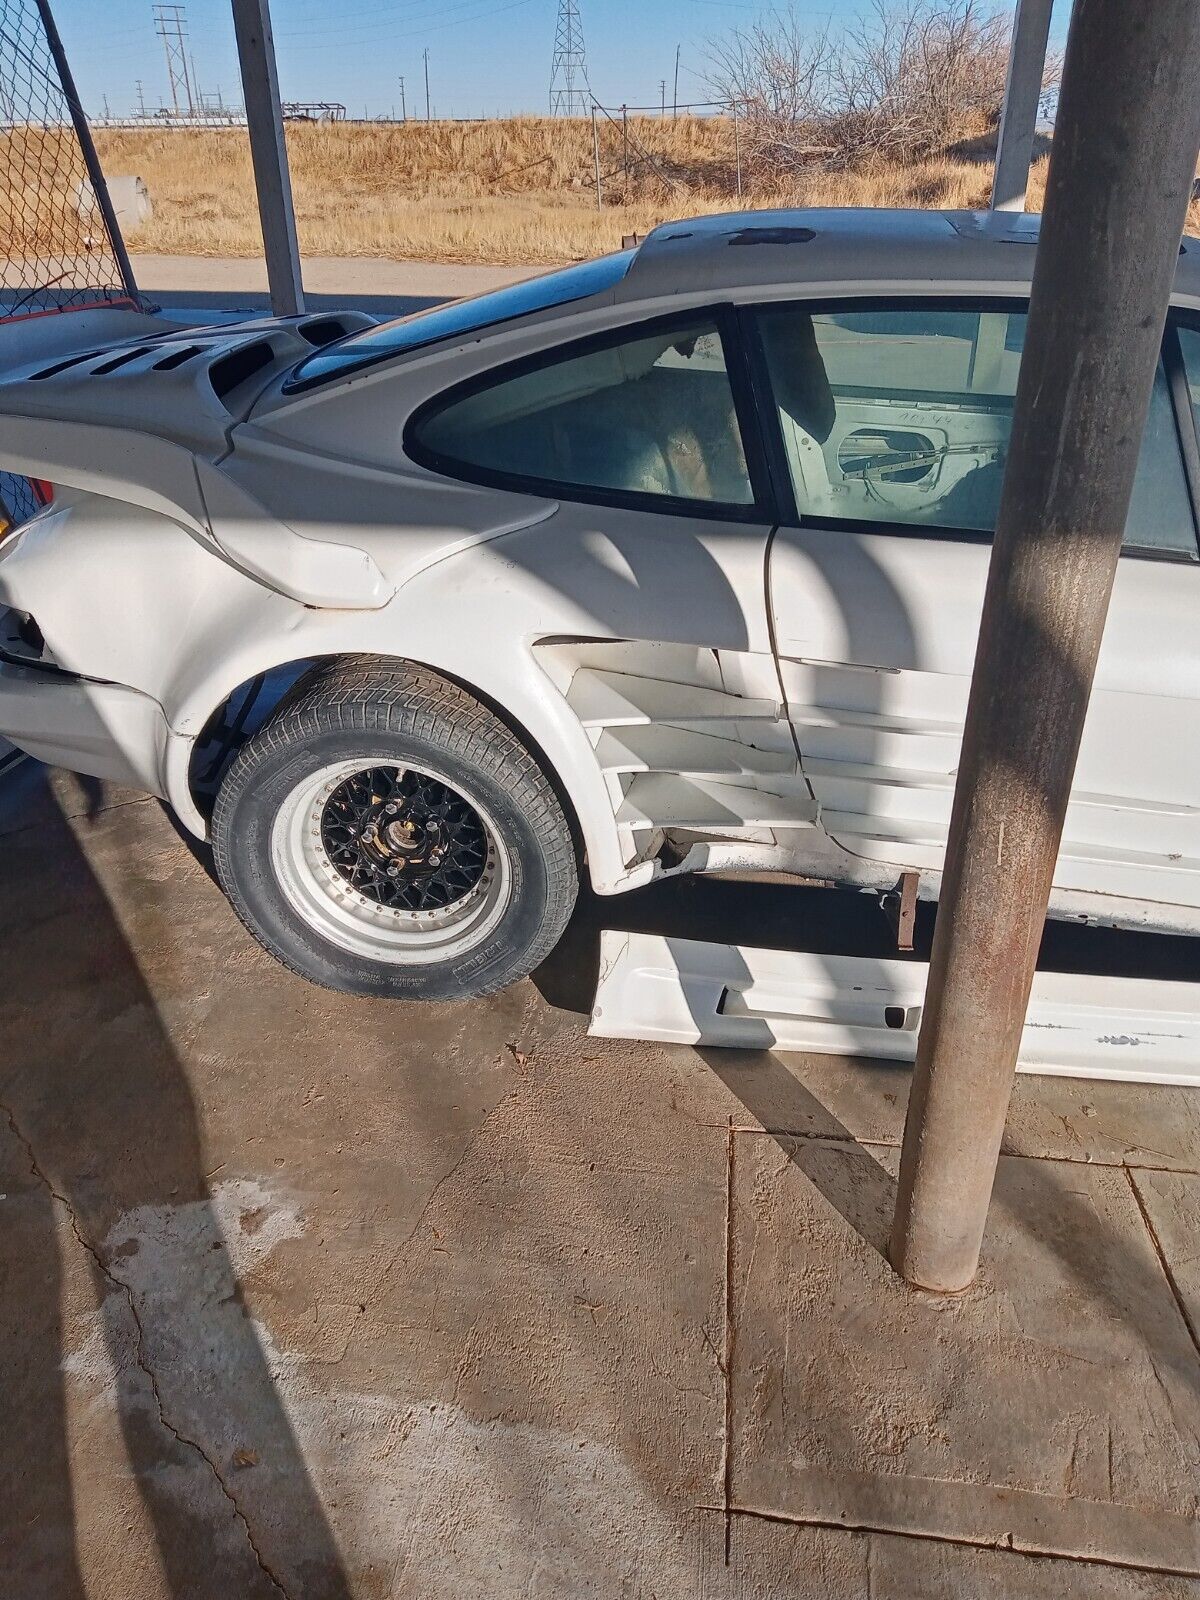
(403, 839)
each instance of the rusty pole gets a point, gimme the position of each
(1124, 153)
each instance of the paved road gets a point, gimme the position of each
(389, 288)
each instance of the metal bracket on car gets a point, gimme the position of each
(1139, 1030)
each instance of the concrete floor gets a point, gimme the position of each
(316, 1297)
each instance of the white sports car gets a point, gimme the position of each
(668, 562)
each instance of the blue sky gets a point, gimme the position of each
(485, 56)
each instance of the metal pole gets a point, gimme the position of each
(596, 160)
(675, 95)
(625, 147)
(427, 86)
(1022, 95)
(268, 151)
(737, 150)
(1127, 134)
(91, 160)
(187, 83)
(403, 103)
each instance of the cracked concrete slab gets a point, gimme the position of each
(312, 1296)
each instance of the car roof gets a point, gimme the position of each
(853, 248)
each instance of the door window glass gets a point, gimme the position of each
(651, 414)
(904, 416)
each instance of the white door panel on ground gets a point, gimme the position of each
(1135, 1030)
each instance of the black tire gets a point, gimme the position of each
(405, 717)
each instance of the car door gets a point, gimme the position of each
(648, 605)
(893, 420)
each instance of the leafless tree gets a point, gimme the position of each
(903, 80)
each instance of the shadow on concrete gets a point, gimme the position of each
(99, 1137)
(826, 921)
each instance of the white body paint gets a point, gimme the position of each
(751, 699)
(680, 991)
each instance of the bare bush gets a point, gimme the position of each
(900, 83)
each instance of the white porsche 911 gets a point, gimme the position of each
(668, 562)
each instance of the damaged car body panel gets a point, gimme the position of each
(706, 530)
(683, 991)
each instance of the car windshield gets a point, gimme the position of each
(458, 317)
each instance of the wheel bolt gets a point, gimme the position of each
(391, 808)
(431, 827)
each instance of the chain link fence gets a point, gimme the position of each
(18, 500)
(56, 252)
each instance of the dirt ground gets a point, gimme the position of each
(315, 1297)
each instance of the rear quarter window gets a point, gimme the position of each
(372, 345)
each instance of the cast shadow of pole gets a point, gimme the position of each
(104, 1144)
(782, 917)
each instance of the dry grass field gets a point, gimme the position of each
(512, 191)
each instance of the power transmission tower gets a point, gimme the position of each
(570, 92)
(170, 23)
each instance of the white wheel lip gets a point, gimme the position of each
(344, 917)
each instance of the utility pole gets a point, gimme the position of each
(427, 85)
(170, 23)
(662, 90)
(141, 99)
(675, 96)
(268, 151)
(403, 105)
(1022, 96)
(1125, 144)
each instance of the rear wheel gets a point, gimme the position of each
(386, 834)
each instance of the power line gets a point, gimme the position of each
(372, 37)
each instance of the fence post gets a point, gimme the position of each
(596, 160)
(268, 151)
(91, 160)
(1022, 95)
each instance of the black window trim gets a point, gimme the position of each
(789, 513)
(294, 384)
(762, 509)
(1185, 415)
